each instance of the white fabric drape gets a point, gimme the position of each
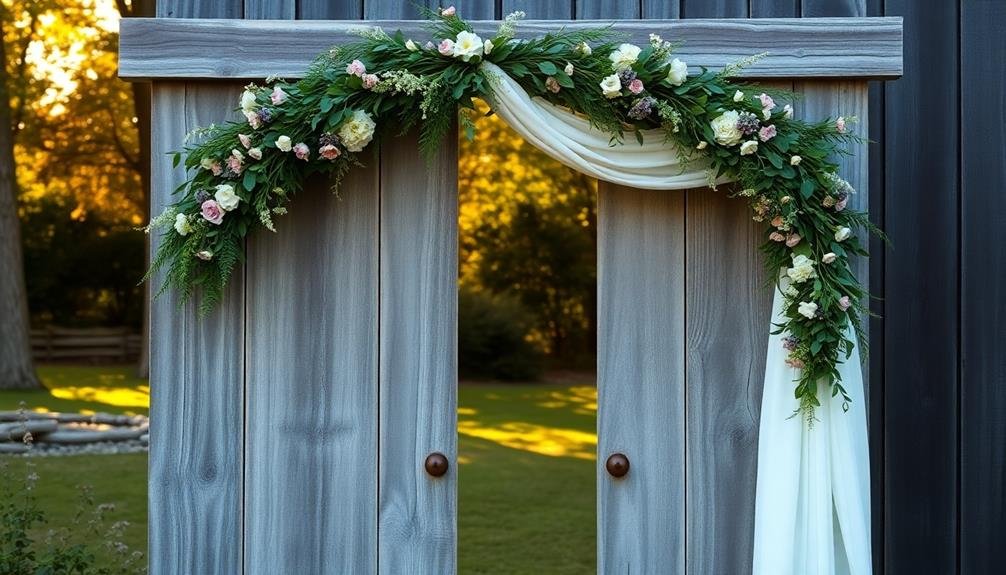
(812, 503)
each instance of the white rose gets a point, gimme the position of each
(738, 96)
(725, 129)
(625, 56)
(226, 197)
(284, 143)
(358, 131)
(791, 291)
(802, 270)
(701, 145)
(467, 46)
(248, 103)
(584, 48)
(842, 234)
(487, 47)
(411, 46)
(207, 163)
(808, 309)
(749, 147)
(611, 86)
(568, 69)
(787, 111)
(678, 73)
(795, 160)
(255, 153)
(205, 255)
(829, 257)
(182, 225)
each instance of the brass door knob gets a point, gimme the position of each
(617, 465)
(436, 464)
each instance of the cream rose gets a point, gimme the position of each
(842, 234)
(749, 147)
(411, 46)
(807, 309)
(468, 45)
(226, 198)
(248, 103)
(725, 129)
(677, 73)
(487, 47)
(625, 56)
(829, 257)
(358, 131)
(284, 143)
(611, 86)
(738, 96)
(802, 270)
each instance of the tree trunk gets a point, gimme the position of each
(16, 368)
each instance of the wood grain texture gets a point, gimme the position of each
(395, 9)
(658, 9)
(197, 370)
(831, 99)
(200, 8)
(641, 379)
(311, 398)
(822, 8)
(607, 10)
(983, 240)
(828, 47)
(542, 9)
(714, 8)
(921, 314)
(270, 9)
(418, 357)
(329, 9)
(775, 8)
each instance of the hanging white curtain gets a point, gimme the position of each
(812, 503)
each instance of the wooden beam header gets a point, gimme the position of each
(175, 48)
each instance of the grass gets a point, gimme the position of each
(526, 480)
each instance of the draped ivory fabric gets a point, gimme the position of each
(812, 500)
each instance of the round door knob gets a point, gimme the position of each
(436, 464)
(617, 465)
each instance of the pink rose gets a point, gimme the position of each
(216, 168)
(449, 11)
(278, 96)
(840, 204)
(302, 151)
(840, 125)
(212, 212)
(235, 163)
(776, 237)
(329, 152)
(446, 47)
(245, 140)
(369, 81)
(792, 240)
(767, 133)
(777, 221)
(844, 303)
(795, 363)
(636, 86)
(356, 68)
(253, 120)
(767, 103)
(552, 84)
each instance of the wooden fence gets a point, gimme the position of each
(93, 344)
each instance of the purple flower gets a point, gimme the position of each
(265, 115)
(202, 196)
(789, 343)
(626, 77)
(642, 108)
(328, 139)
(747, 123)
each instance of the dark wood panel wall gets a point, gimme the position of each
(938, 179)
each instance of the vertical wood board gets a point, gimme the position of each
(197, 370)
(311, 463)
(418, 357)
(641, 378)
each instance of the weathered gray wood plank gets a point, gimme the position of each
(641, 379)
(197, 371)
(330, 9)
(831, 99)
(820, 47)
(657, 9)
(199, 8)
(270, 9)
(311, 452)
(418, 357)
(541, 9)
(395, 9)
(607, 9)
(714, 8)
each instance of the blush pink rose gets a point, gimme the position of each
(777, 222)
(552, 84)
(302, 151)
(329, 152)
(767, 133)
(777, 237)
(245, 140)
(212, 212)
(767, 103)
(356, 68)
(792, 240)
(278, 96)
(636, 86)
(840, 125)
(235, 164)
(369, 81)
(795, 363)
(216, 168)
(446, 47)
(844, 303)
(449, 11)
(840, 204)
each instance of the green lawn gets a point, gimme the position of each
(526, 480)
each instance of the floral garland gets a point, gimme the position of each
(245, 173)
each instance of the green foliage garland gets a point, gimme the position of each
(245, 173)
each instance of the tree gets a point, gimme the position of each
(16, 368)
